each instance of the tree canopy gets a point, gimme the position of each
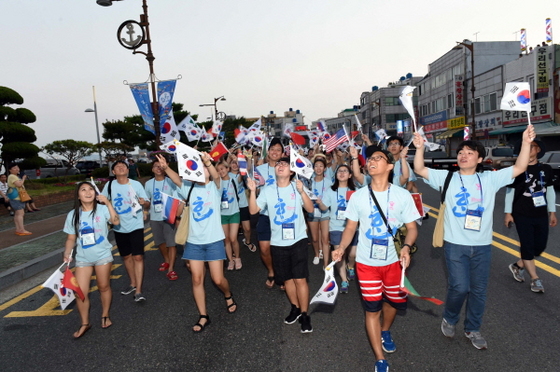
(16, 137)
(69, 149)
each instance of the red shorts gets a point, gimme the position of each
(381, 283)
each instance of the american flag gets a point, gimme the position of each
(335, 140)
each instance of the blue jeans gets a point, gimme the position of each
(469, 268)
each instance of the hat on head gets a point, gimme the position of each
(371, 149)
(542, 147)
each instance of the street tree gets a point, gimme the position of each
(16, 137)
(69, 149)
(113, 149)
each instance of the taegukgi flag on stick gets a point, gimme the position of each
(54, 282)
(406, 100)
(189, 162)
(299, 164)
(329, 290)
(187, 121)
(358, 124)
(517, 97)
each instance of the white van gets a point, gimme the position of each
(494, 157)
(53, 168)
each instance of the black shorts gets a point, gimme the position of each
(244, 214)
(290, 262)
(263, 228)
(131, 243)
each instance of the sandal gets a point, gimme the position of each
(238, 264)
(87, 327)
(202, 326)
(172, 275)
(269, 279)
(230, 305)
(231, 265)
(164, 266)
(104, 324)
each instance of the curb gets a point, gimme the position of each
(29, 269)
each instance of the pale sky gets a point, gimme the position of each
(317, 56)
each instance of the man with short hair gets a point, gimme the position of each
(468, 218)
(284, 200)
(378, 265)
(402, 173)
(126, 195)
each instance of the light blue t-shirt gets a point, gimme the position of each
(205, 224)
(269, 174)
(228, 193)
(319, 188)
(337, 203)
(241, 190)
(96, 222)
(397, 205)
(122, 198)
(397, 172)
(154, 189)
(475, 196)
(285, 207)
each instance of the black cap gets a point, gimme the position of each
(117, 162)
(371, 149)
(275, 141)
(542, 151)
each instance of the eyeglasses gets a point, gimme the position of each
(377, 158)
(282, 164)
(394, 144)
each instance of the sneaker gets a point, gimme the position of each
(447, 329)
(477, 340)
(381, 366)
(517, 272)
(12, 213)
(294, 315)
(316, 261)
(387, 342)
(139, 297)
(344, 287)
(351, 274)
(536, 286)
(305, 321)
(128, 290)
(321, 254)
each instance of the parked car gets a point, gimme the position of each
(54, 168)
(86, 167)
(497, 158)
(552, 158)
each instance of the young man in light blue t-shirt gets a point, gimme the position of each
(467, 228)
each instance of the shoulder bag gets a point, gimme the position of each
(437, 239)
(183, 228)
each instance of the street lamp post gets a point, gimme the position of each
(133, 44)
(215, 104)
(470, 47)
(96, 127)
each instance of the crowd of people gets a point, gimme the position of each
(350, 215)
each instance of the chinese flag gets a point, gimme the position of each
(218, 150)
(69, 281)
(298, 139)
(418, 202)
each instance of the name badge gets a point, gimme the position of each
(225, 203)
(317, 212)
(158, 206)
(473, 220)
(340, 213)
(288, 231)
(87, 237)
(379, 249)
(538, 199)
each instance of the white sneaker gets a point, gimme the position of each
(316, 261)
(321, 254)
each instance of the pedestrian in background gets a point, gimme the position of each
(530, 203)
(17, 205)
(318, 220)
(87, 229)
(3, 191)
(467, 228)
(133, 171)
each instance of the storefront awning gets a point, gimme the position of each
(448, 133)
(508, 130)
(547, 129)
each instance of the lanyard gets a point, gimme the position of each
(344, 195)
(386, 220)
(92, 215)
(322, 187)
(280, 200)
(464, 190)
(154, 185)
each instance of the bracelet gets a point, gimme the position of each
(354, 158)
(407, 245)
(207, 166)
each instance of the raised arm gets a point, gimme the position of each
(253, 207)
(404, 167)
(419, 167)
(522, 161)
(173, 176)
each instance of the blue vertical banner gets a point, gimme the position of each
(165, 91)
(142, 97)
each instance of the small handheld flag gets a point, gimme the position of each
(242, 163)
(69, 281)
(329, 290)
(54, 282)
(409, 289)
(170, 206)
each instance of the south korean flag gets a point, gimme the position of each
(190, 164)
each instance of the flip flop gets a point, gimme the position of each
(104, 322)
(269, 279)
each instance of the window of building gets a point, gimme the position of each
(450, 100)
(392, 101)
(477, 105)
(493, 102)
(486, 104)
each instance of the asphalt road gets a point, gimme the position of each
(522, 328)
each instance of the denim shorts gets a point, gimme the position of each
(17, 205)
(336, 236)
(101, 262)
(205, 252)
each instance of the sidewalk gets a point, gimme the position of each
(21, 257)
